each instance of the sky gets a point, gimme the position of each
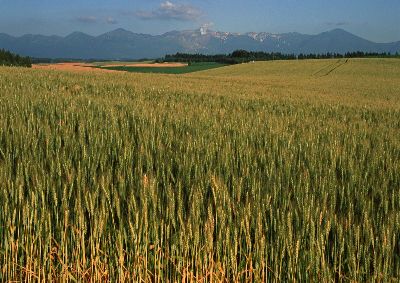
(376, 20)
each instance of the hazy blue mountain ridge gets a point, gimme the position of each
(123, 44)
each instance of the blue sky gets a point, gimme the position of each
(377, 20)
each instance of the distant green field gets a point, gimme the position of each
(195, 67)
(107, 63)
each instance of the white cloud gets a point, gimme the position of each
(172, 11)
(87, 19)
(338, 24)
(205, 27)
(94, 20)
(111, 21)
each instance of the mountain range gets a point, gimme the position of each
(123, 44)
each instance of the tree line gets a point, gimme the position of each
(243, 56)
(236, 57)
(356, 54)
(10, 59)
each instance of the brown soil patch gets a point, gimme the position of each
(77, 67)
(154, 65)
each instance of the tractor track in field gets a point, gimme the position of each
(326, 70)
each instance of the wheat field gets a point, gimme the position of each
(267, 172)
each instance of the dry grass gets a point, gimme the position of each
(258, 172)
(71, 67)
(91, 68)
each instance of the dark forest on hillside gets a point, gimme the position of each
(10, 59)
(243, 56)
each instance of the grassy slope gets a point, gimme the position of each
(257, 171)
